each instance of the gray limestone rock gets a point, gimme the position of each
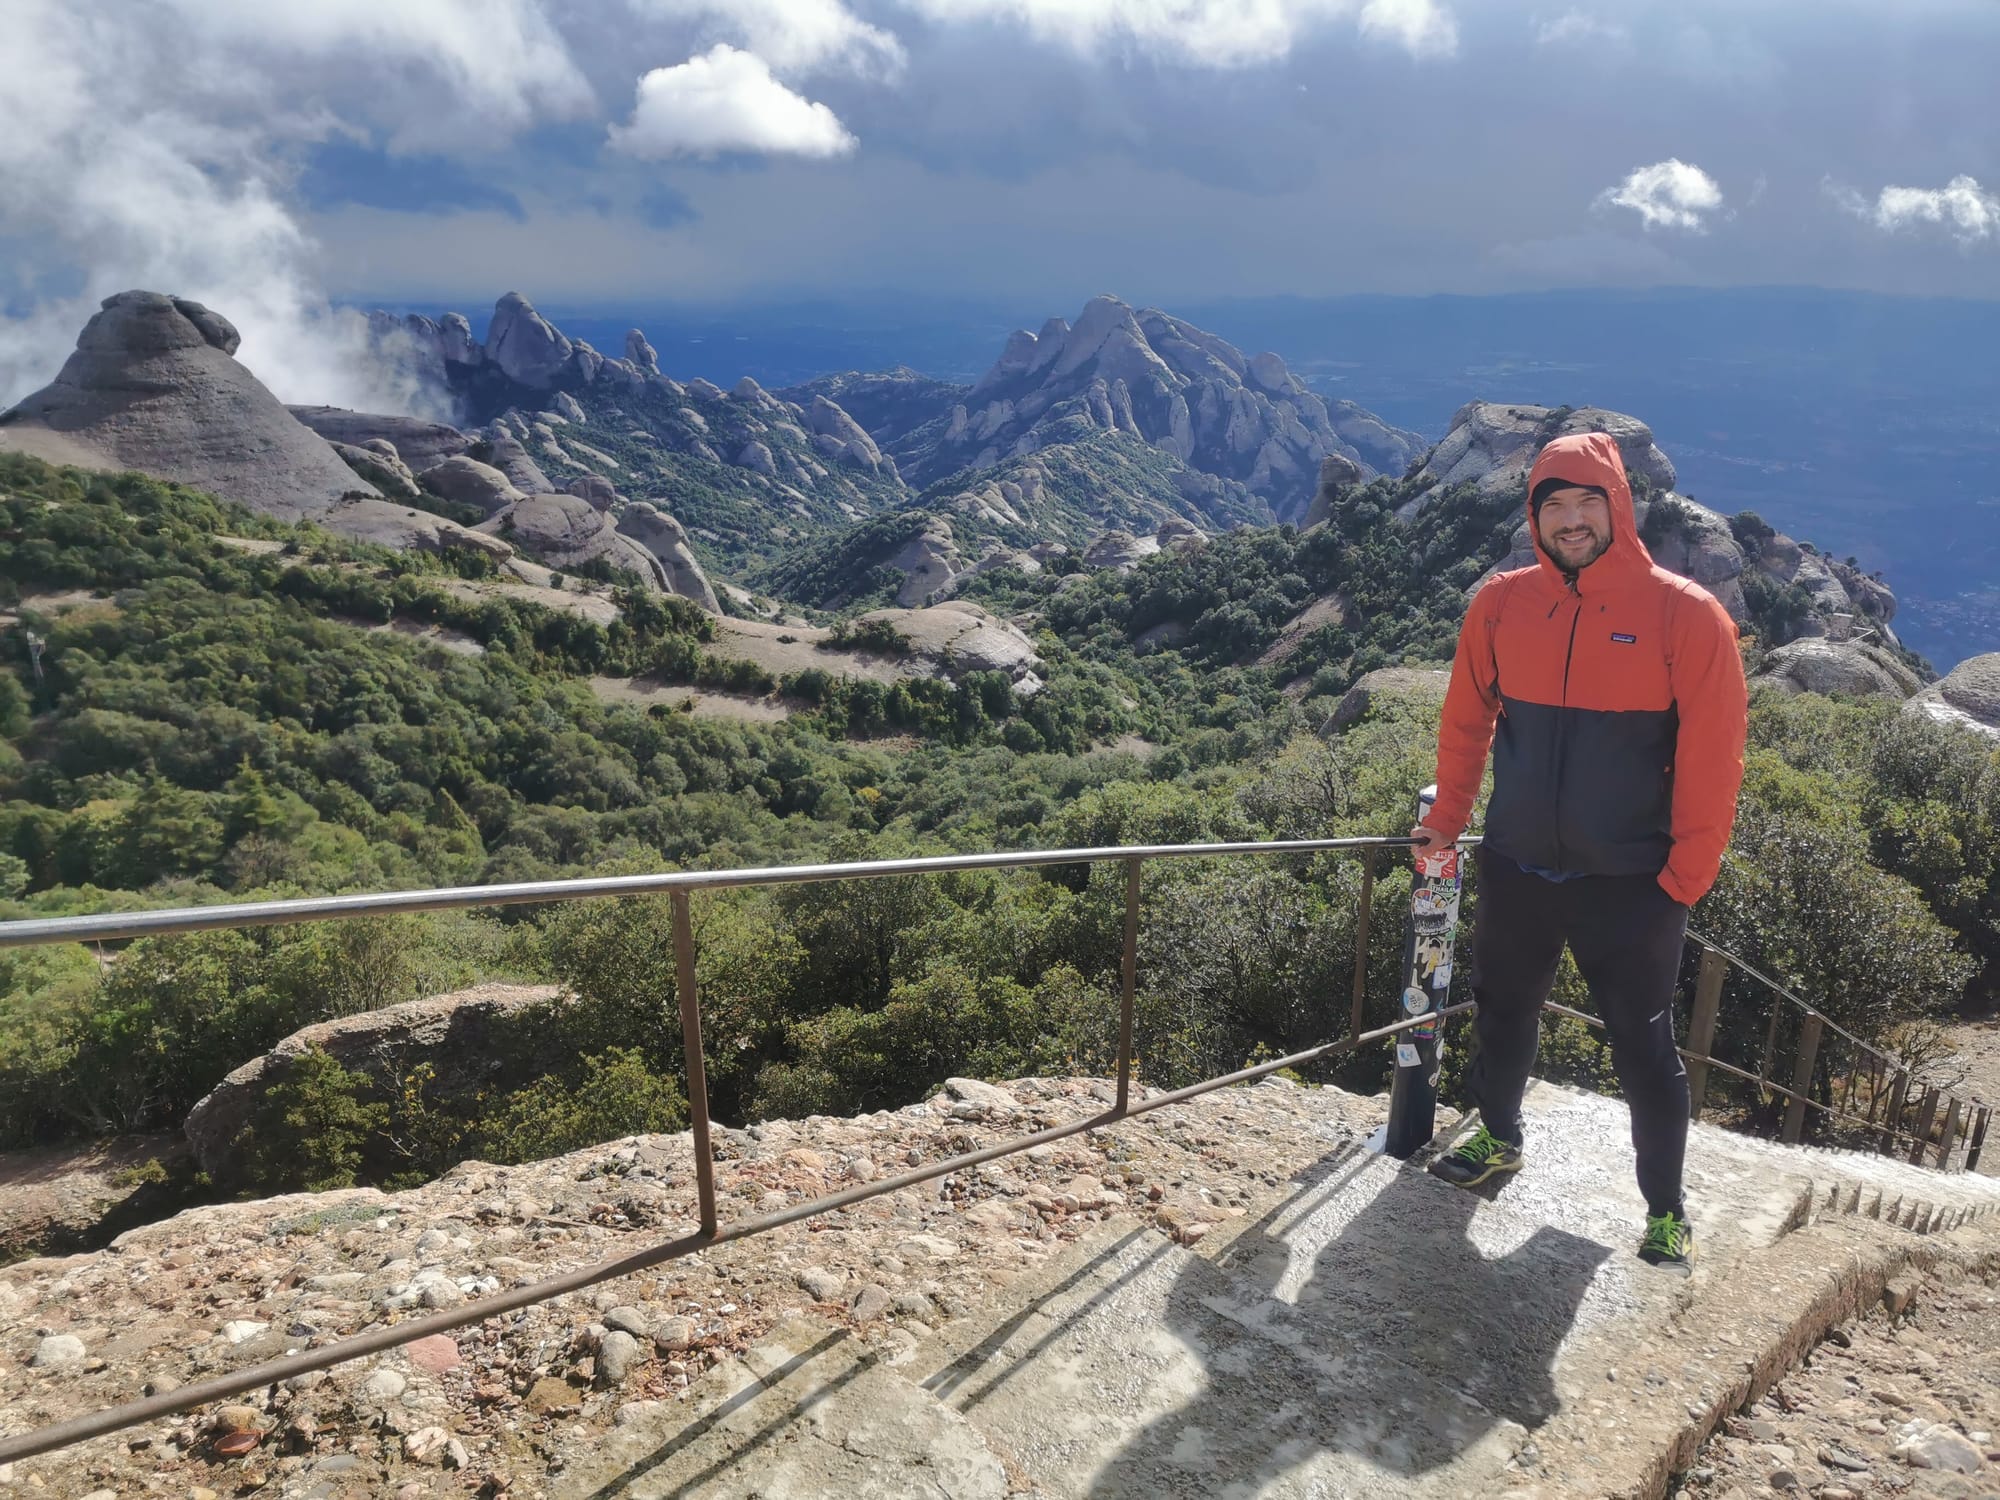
(1493, 445)
(960, 637)
(152, 386)
(565, 531)
(523, 343)
(1119, 549)
(453, 1032)
(385, 470)
(418, 443)
(511, 458)
(1338, 474)
(641, 354)
(851, 443)
(1822, 666)
(1969, 696)
(596, 489)
(470, 482)
(757, 457)
(667, 540)
(928, 562)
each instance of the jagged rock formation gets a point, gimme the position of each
(744, 470)
(1168, 383)
(1338, 475)
(457, 1034)
(1817, 665)
(1968, 696)
(1493, 445)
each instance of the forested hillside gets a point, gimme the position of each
(201, 705)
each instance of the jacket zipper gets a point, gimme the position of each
(1562, 722)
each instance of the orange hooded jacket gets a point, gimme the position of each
(1619, 700)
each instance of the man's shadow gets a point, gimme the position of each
(1403, 1343)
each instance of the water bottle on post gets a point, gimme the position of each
(1427, 951)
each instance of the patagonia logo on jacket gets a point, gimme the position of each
(1619, 701)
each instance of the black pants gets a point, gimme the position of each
(1626, 934)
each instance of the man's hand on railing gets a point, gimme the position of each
(1428, 840)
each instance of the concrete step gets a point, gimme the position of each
(1131, 1367)
(805, 1414)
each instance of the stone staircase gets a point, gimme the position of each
(1365, 1331)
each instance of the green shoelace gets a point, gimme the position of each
(1666, 1234)
(1482, 1147)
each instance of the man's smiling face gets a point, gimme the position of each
(1574, 526)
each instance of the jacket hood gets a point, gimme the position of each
(1590, 458)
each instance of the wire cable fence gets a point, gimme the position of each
(1877, 1094)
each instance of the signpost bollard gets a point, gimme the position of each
(1427, 950)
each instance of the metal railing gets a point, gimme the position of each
(1886, 1126)
(710, 1230)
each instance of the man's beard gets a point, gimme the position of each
(1596, 548)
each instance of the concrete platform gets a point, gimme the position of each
(1364, 1330)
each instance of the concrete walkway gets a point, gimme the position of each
(1365, 1331)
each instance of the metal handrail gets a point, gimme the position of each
(710, 1231)
(678, 886)
(33, 931)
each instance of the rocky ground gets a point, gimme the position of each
(66, 1195)
(501, 1406)
(1903, 1402)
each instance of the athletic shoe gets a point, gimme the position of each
(1482, 1155)
(1668, 1241)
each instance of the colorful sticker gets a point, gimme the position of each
(1442, 865)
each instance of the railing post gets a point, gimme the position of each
(697, 1071)
(1945, 1136)
(1770, 1046)
(1361, 921)
(1128, 983)
(1975, 1140)
(1892, 1116)
(1926, 1113)
(1701, 1026)
(1435, 886)
(1802, 1076)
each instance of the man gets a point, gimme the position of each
(1621, 706)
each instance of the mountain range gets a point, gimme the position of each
(1084, 446)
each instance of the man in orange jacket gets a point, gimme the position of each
(1619, 697)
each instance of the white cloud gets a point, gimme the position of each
(123, 172)
(726, 100)
(1968, 211)
(1575, 28)
(1205, 33)
(1424, 27)
(1670, 194)
(793, 36)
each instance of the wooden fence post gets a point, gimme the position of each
(1701, 1027)
(1802, 1076)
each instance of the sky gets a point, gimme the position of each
(278, 161)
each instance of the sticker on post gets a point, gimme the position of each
(1415, 1001)
(1407, 1056)
(1442, 865)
